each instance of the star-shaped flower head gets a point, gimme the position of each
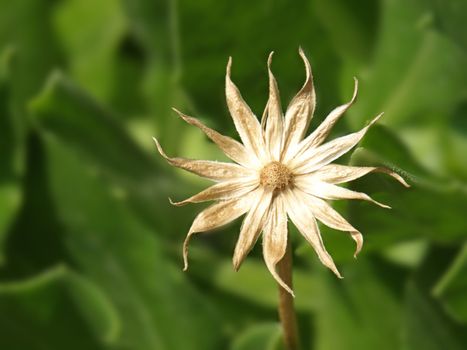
(277, 174)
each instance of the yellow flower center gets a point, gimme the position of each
(275, 175)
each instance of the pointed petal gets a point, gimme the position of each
(337, 174)
(303, 218)
(273, 123)
(275, 240)
(215, 216)
(331, 218)
(245, 121)
(329, 191)
(326, 153)
(231, 148)
(322, 131)
(221, 191)
(211, 170)
(299, 112)
(252, 226)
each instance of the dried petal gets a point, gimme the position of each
(299, 112)
(322, 131)
(252, 227)
(217, 215)
(275, 240)
(303, 218)
(221, 191)
(326, 153)
(337, 174)
(231, 148)
(245, 121)
(329, 191)
(273, 120)
(211, 170)
(331, 218)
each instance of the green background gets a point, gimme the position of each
(90, 248)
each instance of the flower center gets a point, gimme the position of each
(275, 175)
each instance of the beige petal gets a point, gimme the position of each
(331, 218)
(232, 148)
(222, 191)
(273, 119)
(322, 131)
(299, 112)
(245, 121)
(252, 226)
(211, 170)
(329, 191)
(303, 218)
(317, 157)
(218, 215)
(275, 240)
(337, 174)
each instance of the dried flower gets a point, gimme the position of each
(278, 173)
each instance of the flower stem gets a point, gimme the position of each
(286, 302)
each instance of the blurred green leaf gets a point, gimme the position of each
(42, 313)
(417, 74)
(426, 327)
(90, 33)
(452, 288)
(25, 25)
(254, 283)
(363, 310)
(125, 259)
(259, 337)
(450, 18)
(11, 155)
(79, 122)
(353, 36)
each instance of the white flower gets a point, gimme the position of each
(277, 173)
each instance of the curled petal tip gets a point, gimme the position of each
(355, 90)
(385, 206)
(285, 287)
(177, 204)
(176, 111)
(377, 118)
(159, 148)
(270, 59)
(229, 66)
(404, 183)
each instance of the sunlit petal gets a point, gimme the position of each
(211, 170)
(231, 148)
(329, 191)
(275, 240)
(273, 119)
(252, 226)
(299, 112)
(337, 174)
(222, 191)
(246, 123)
(301, 215)
(326, 153)
(322, 131)
(331, 218)
(218, 215)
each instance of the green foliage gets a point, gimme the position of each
(90, 248)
